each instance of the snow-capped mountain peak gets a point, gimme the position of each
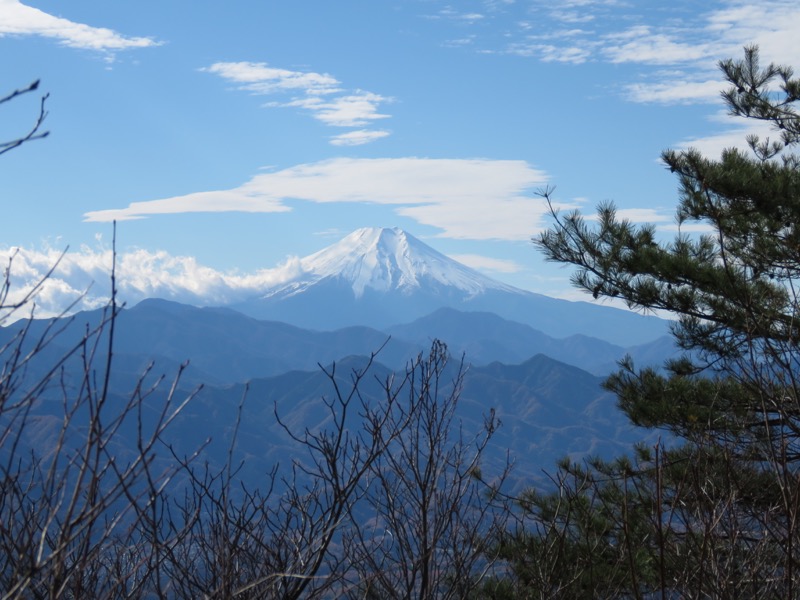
(381, 277)
(385, 259)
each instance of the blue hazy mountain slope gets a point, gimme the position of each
(485, 337)
(221, 345)
(224, 346)
(233, 347)
(548, 410)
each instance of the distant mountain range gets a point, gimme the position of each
(537, 361)
(548, 410)
(224, 346)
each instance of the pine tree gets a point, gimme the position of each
(715, 513)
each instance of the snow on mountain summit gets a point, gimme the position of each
(386, 259)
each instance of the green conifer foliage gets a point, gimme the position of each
(713, 511)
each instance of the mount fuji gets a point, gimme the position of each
(381, 277)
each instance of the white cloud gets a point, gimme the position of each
(770, 24)
(263, 79)
(637, 215)
(572, 16)
(460, 42)
(641, 44)
(465, 198)
(358, 137)
(19, 19)
(319, 93)
(246, 198)
(676, 91)
(687, 228)
(552, 52)
(696, 47)
(486, 263)
(481, 218)
(733, 136)
(621, 32)
(454, 15)
(82, 279)
(354, 110)
(560, 34)
(590, 3)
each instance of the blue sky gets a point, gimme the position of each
(227, 138)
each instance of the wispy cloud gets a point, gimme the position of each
(460, 42)
(354, 110)
(321, 94)
(453, 14)
(17, 18)
(691, 227)
(263, 79)
(639, 215)
(695, 48)
(676, 90)
(734, 135)
(645, 44)
(464, 198)
(486, 263)
(558, 45)
(650, 38)
(572, 16)
(552, 52)
(470, 17)
(358, 137)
